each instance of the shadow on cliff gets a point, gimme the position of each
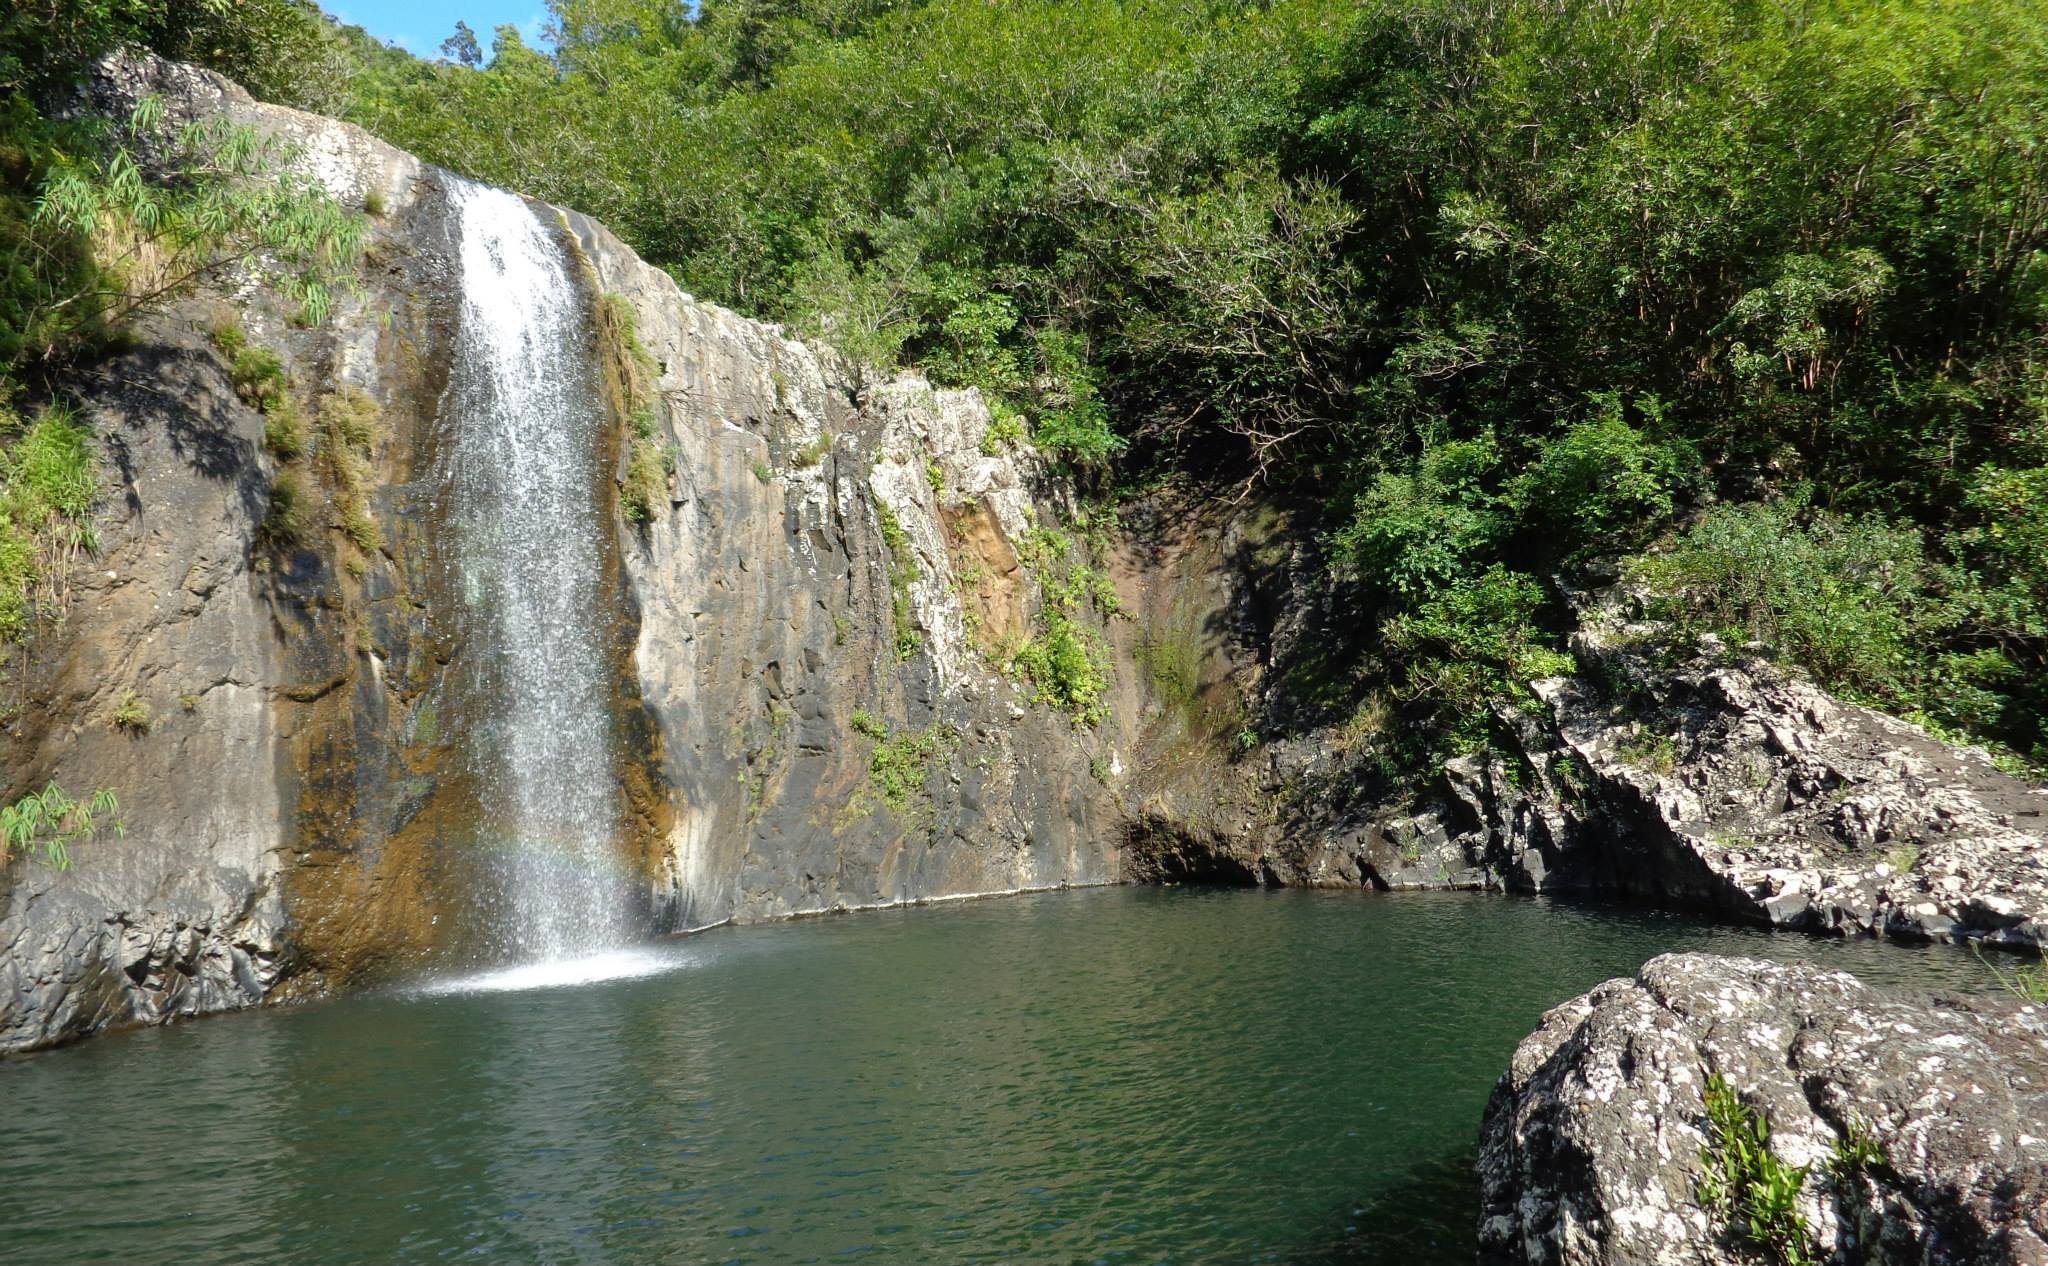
(178, 389)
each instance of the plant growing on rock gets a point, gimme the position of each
(1650, 752)
(902, 572)
(133, 714)
(49, 481)
(1748, 1182)
(51, 821)
(899, 767)
(219, 197)
(348, 427)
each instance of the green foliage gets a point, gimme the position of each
(1470, 645)
(50, 822)
(644, 491)
(260, 379)
(1066, 664)
(287, 520)
(284, 427)
(1598, 485)
(646, 487)
(349, 421)
(1861, 603)
(230, 201)
(904, 636)
(814, 452)
(1858, 1152)
(1748, 1183)
(899, 766)
(1514, 293)
(764, 472)
(133, 714)
(1650, 751)
(1005, 428)
(49, 481)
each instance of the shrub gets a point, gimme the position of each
(1005, 427)
(1412, 533)
(1469, 644)
(1849, 599)
(49, 481)
(1065, 664)
(1600, 485)
(133, 714)
(52, 822)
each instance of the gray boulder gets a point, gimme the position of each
(1595, 1145)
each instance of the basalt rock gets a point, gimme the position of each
(1700, 778)
(1920, 1123)
(823, 542)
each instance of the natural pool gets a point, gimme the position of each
(1116, 1075)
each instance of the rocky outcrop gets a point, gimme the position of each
(1920, 1124)
(1694, 777)
(818, 593)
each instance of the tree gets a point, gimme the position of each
(462, 46)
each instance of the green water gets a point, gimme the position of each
(1122, 1075)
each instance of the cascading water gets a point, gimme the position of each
(525, 424)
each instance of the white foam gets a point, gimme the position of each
(625, 964)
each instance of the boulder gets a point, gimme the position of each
(1918, 1124)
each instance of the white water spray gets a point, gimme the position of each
(522, 468)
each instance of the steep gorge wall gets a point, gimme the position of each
(833, 566)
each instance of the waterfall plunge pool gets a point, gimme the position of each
(1110, 1075)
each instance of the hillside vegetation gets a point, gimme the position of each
(1743, 302)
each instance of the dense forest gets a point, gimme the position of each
(1743, 304)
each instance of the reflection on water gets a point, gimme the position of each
(1117, 1076)
(623, 964)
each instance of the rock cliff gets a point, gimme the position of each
(813, 588)
(1915, 1124)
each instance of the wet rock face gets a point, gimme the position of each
(1591, 1152)
(298, 815)
(832, 544)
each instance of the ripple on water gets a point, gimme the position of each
(1126, 1076)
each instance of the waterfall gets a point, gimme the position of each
(524, 423)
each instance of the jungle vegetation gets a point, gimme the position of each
(1743, 303)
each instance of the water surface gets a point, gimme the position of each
(1118, 1075)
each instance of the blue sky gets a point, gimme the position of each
(419, 26)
